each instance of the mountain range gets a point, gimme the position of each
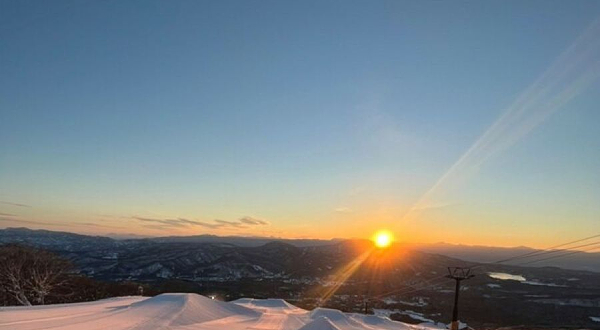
(346, 272)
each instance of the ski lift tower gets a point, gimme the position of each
(458, 274)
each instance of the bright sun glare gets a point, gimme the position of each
(383, 239)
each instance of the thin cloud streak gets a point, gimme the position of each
(226, 223)
(181, 223)
(570, 74)
(17, 220)
(253, 221)
(14, 204)
(185, 223)
(343, 210)
(30, 222)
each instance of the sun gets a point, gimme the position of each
(383, 239)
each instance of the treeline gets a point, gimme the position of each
(31, 276)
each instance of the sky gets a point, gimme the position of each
(463, 122)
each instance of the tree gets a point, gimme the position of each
(13, 272)
(30, 275)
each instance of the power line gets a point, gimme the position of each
(421, 286)
(434, 281)
(544, 251)
(570, 249)
(561, 255)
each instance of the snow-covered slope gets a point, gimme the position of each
(189, 311)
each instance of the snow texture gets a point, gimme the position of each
(184, 311)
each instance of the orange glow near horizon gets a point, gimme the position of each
(383, 239)
(424, 232)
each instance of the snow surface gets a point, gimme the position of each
(414, 315)
(520, 278)
(506, 276)
(186, 311)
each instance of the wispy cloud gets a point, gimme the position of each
(226, 223)
(343, 210)
(16, 220)
(29, 222)
(181, 223)
(253, 221)
(157, 227)
(7, 215)
(215, 224)
(14, 204)
(93, 224)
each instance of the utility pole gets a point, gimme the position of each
(458, 274)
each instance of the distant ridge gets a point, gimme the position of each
(243, 241)
(589, 261)
(483, 254)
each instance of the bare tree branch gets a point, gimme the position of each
(29, 274)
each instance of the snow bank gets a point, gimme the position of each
(379, 322)
(174, 309)
(179, 311)
(337, 317)
(268, 303)
(332, 314)
(320, 323)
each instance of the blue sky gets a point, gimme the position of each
(323, 118)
